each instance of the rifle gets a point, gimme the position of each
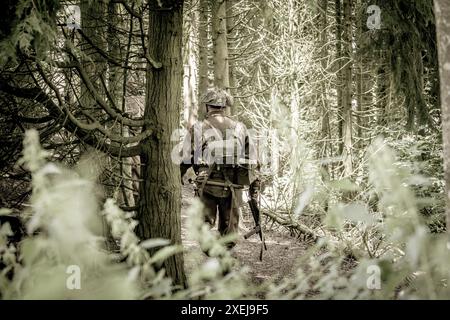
(254, 208)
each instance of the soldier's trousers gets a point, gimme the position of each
(227, 211)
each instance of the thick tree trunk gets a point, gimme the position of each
(347, 154)
(442, 12)
(202, 55)
(219, 31)
(160, 193)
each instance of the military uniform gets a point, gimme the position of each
(219, 183)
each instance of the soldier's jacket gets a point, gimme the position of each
(219, 137)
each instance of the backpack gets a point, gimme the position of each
(225, 155)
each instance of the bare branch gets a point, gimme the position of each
(126, 121)
(38, 95)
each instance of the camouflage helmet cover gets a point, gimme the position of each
(217, 98)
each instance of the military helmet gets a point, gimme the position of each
(217, 98)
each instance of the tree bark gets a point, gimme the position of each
(190, 26)
(94, 16)
(347, 134)
(93, 25)
(325, 133)
(230, 22)
(219, 31)
(203, 67)
(359, 80)
(116, 90)
(381, 93)
(160, 192)
(442, 13)
(338, 66)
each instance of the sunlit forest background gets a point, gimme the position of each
(351, 99)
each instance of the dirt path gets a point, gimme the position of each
(278, 261)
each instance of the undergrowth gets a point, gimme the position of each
(378, 250)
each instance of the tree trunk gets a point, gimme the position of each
(190, 26)
(442, 12)
(338, 66)
(160, 193)
(202, 55)
(421, 105)
(230, 21)
(347, 89)
(325, 135)
(359, 80)
(219, 31)
(381, 94)
(93, 25)
(117, 92)
(115, 72)
(359, 99)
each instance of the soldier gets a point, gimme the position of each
(218, 149)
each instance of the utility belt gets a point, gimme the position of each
(215, 180)
(217, 188)
(238, 175)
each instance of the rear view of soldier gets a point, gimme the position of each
(220, 156)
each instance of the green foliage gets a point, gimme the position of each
(214, 279)
(406, 45)
(394, 239)
(34, 32)
(422, 157)
(64, 229)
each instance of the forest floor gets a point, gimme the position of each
(279, 261)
